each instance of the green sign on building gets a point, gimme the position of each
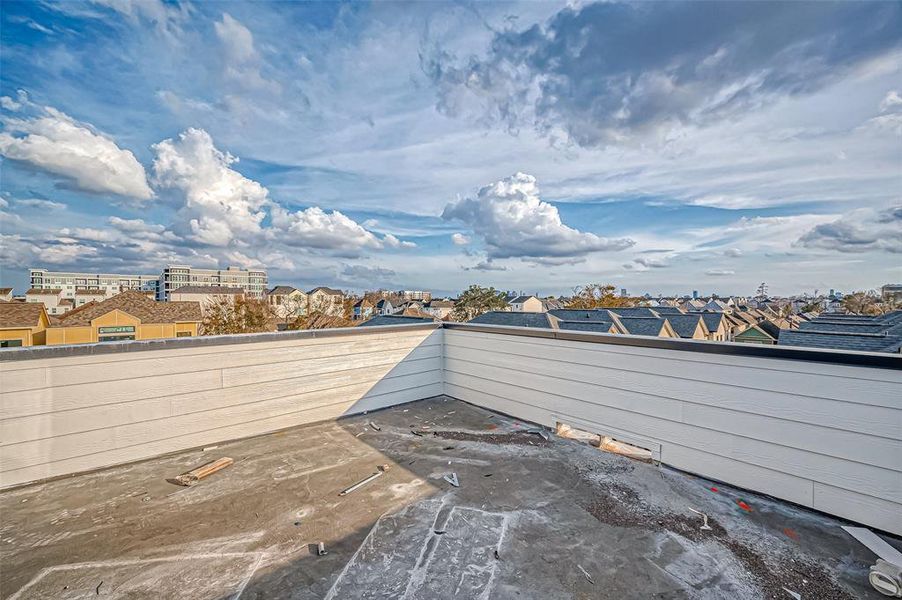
(116, 329)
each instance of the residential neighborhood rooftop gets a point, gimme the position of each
(136, 304)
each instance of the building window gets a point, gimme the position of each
(10, 343)
(183, 334)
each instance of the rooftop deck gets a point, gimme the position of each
(567, 521)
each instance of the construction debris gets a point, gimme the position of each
(609, 444)
(193, 476)
(795, 595)
(321, 549)
(363, 482)
(452, 479)
(885, 575)
(374, 426)
(705, 526)
(586, 573)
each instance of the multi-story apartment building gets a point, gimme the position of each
(253, 282)
(420, 295)
(109, 283)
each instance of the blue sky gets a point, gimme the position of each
(662, 147)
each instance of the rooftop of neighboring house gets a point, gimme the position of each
(282, 290)
(6, 291)
(396, 320)
(209, 289)
(590, 326)
(14, 315)
(686, 325)
(520, 299)
(440, 304)
(645, 325)
(881, 333)
(326, 290)
(514, 319)
(865, 342)
(44, 292)
(136, 304)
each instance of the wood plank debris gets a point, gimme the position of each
(195, 475)
(452, 479)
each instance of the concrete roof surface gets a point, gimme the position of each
(532, 519)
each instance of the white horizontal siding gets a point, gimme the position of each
(824, 436)
(64, 415)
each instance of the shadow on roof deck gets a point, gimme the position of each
(558, 512)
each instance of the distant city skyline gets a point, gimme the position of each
(658, 147)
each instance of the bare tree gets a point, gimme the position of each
(596, 295)
(242, 315)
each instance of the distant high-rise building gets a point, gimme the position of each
(832, 293)
(695, 294)
(623, 292)
(253, 282)
(99, 284)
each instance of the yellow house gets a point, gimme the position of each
(22, 324)
(130, 315)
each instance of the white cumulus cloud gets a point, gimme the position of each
(221, 205)
(58, 144)
(514, 222)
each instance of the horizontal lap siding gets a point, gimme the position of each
(65, 415)
(824, 436)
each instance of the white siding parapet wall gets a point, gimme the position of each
(819, 429)
(826, 436)
(75, 413)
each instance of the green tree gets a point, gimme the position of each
(477, 300)
(229, 315)
(596, 295)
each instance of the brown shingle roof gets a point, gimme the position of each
(5, 291)
(20, 314)
(37, 291)
(136, 304)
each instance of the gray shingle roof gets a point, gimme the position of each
(519, 299)
(684, 325)
(571, 314)
(395, 320)
(513, 319)
(281, 290)
(635, 311)
(840, 341)
(671, 310)
(594, 326)
(642, 325)
(712, 319)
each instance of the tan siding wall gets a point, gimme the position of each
(824, 436)
(65, 415)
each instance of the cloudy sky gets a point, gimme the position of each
(536, 146)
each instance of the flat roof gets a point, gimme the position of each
(532, 518)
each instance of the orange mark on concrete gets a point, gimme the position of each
(790, 533)
(744, 506)
(492, 426)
